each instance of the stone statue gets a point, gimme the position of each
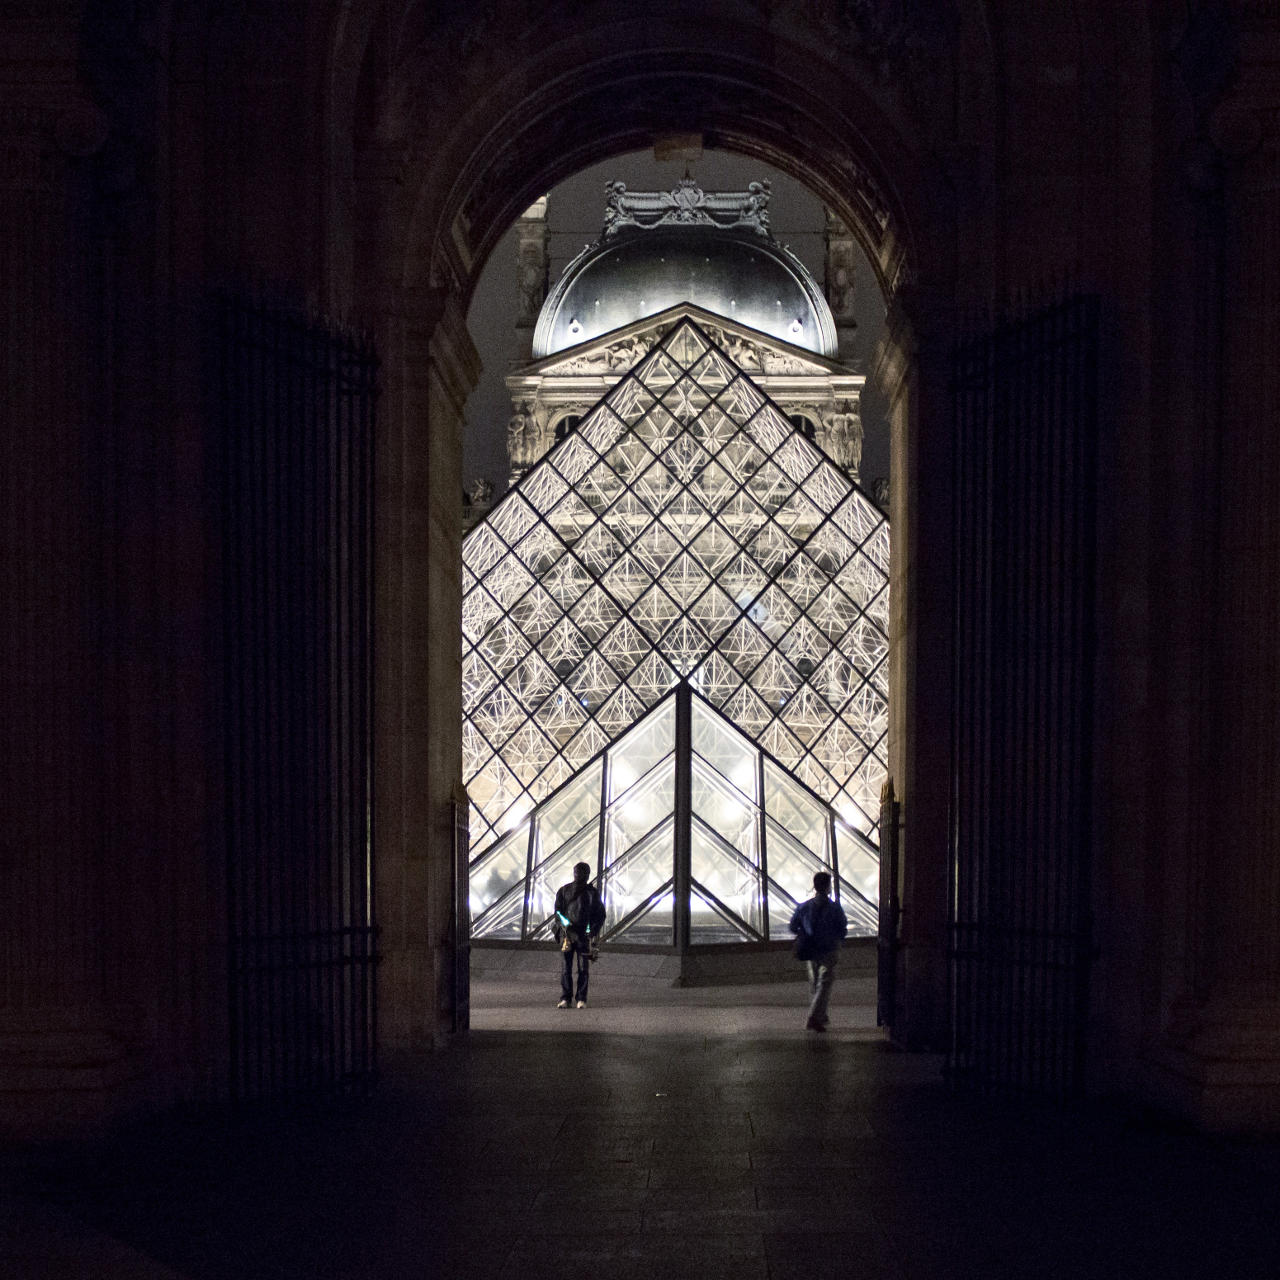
(481, 492)
(522, 434)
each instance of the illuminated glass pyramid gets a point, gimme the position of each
(693, 834)
(685, 531)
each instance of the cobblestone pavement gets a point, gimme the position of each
(697, 1134)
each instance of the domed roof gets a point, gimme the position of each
(663, 248)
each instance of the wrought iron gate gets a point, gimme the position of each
(296, 406)
(1025, 417)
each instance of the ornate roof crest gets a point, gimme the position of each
(686, 204)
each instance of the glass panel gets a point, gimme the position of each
(798, 813)
(499, 870)
(637, 874)
(791, 864)
(782, 906)
(570, 811)
(674, 489)
(503, 920)
(556, 870)
(726, 751)
(654, 928)
(632, 757)
(707, 924)
(725, 811)
(727, 876)
(859, 862)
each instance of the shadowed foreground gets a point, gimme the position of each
(722, 1141)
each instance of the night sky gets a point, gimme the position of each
(574, 214)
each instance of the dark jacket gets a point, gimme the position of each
(584, 918)
(819, 926)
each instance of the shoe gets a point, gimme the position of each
(582, 1004)
(564, 1004)
(814, 1025)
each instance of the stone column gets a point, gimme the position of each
(533, 262)
(1221, 1049)
(431, 366)
(838, 281)
(912, 375)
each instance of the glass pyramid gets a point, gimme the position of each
(681, 799)
(685, 530)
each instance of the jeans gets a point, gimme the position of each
(822, 974)
(566, 974)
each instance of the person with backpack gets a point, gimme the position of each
(579, 918)
(819, 926)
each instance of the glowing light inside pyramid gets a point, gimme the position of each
(684, 530)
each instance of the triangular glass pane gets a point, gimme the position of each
(779, 742)
(652, 679)
(713, 372)
(657, 429)
(512, 518)
(797, 812)
(564, 647)
(655, 548)
(653, 927)
(528, 752)
(556, 869)
(686, 517)
(715, 679)
(475, 750)
(564, 816)
(588, 742)
(535, 614)
(653, 739)
(745, 647)
(626, 580)
(479, 612)
(747, 711)
(724, 750)
(770, 430)
(709, 924)
(595, 614)
(601, 429)
(713, 429)
(629, 400)
(685, 345)
(714, 548)
(859, 861)
(658, 372)
(624, 647)
(540, 549)
(685, 458)
(503, 919)
(797, 457)
(481, 549)
(683, 645)
(686, 400)
(561, 716)
(775, 680)
(726, 844)
(714, 612)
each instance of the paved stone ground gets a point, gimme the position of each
(696, 1133)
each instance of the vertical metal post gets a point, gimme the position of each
(683, 834)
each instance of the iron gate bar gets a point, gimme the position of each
(295, 399)
(1024, 403)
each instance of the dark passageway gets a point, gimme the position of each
(742, 1149)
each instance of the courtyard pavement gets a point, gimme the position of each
(658, 1134)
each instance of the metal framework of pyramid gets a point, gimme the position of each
(685, 531)
(694, 836)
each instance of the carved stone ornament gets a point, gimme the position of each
(686, 204)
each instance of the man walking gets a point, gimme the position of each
(579, 917)
(819, 925)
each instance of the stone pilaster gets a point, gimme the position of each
(533, 263)
(1219, 1059)
(838, 282)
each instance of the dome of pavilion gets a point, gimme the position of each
(659, 249)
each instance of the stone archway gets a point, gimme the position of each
(442, 180)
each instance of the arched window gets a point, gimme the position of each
(567, 424)
(803, 424)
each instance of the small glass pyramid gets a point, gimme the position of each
(681, 799)
(683, 531)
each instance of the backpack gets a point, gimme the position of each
(578, 909)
